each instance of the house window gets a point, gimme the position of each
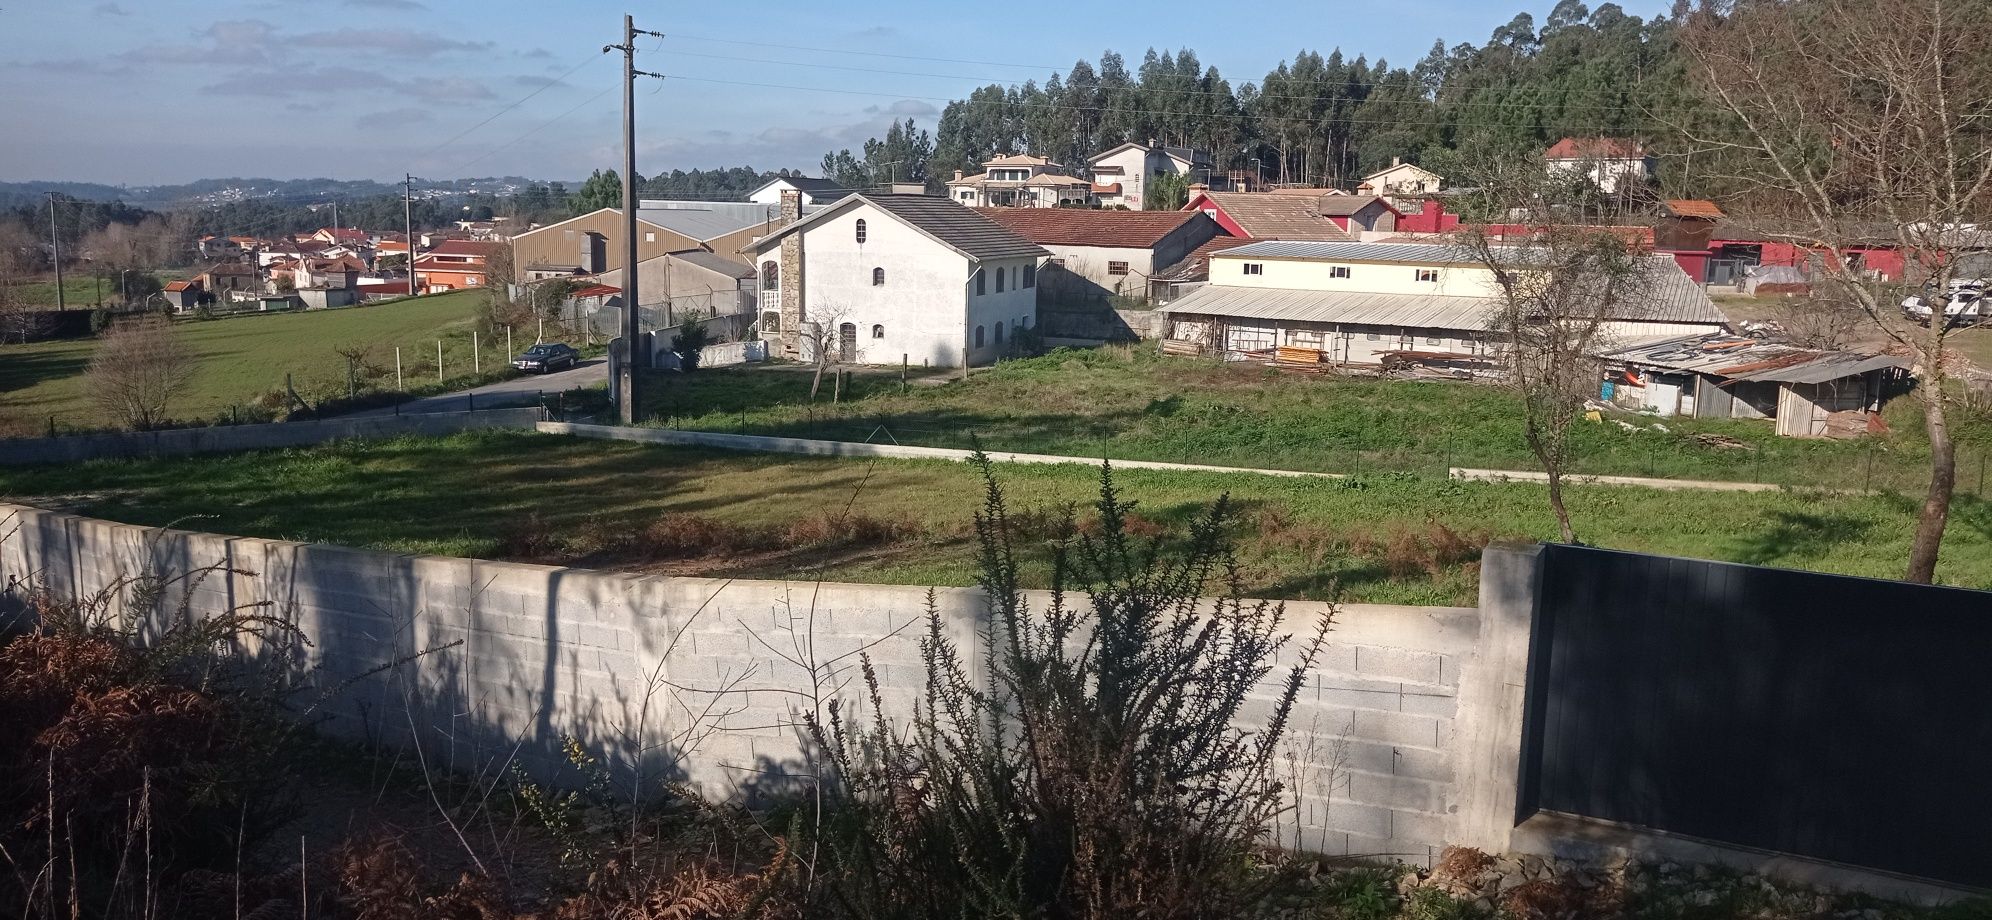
(878, 332)
(1030, 276)
(861, 230)
(1000, 272)
(770, 275)
(649, 237)
(1338, 271)
(1434, 340)
(999, 333)
(1116, 268)
(878, 277)
(1373, 337)
(978, 336)
(1428, 275)
(1025, 322)
(1058, 262)
(771, 321)
(981, 282)
(1254, 268)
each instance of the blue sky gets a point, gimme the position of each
(160, 91)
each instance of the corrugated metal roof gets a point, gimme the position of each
(714, 262)
(703, 224)
(1737, 358)
(1414, 310)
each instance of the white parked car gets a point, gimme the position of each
(1964, 304)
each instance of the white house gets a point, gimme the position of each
(1121, 176)
(1609, 162)
(1098, 254)
(1360, 303)
(891, 278)
(814, 191)
(1020, 181)
(1402, 183)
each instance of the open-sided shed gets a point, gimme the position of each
(1809, 392)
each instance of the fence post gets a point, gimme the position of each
(397, 370)
(439, 362)
(904, 363)
(476, 355)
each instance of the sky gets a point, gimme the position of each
(144, 92)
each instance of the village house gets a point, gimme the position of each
(342, 236)
(1807, 392)
(1121, 176)
(454, 265)
(231, 281)
(1403, 183)
(1100, 254)
(1369, 304)
(694, 280)
(1021, 181)
(815, 192)
(892, 278)
(1610, 163)
(183, 295)
(1268, 216)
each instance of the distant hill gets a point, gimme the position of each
(223, 191)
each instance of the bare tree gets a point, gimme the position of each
(1556, 288)
(139, 367)
(1857, 122)
(820, 344)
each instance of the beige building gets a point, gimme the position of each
(592, 243)
(1021, 181)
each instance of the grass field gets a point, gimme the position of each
(1137, 405)
(1381, 538)
(78, 290)
(243, 357)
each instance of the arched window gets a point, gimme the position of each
(770, 275)
(878, 277)
(1030, 276)
(999, 279)
(999, 333)
(978, 336)
(981, 282)
(861, 230)
(878, 332)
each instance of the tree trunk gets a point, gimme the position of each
(1943, 481)
(1555, 472)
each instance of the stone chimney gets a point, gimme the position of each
(791, 277)
(958, 175)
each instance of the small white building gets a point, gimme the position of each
(891, 278)
(1365, 303)
(1121, 176)
(1607, 161)
(1403, 183)
(814, 191)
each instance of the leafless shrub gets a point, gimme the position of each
(140, 366)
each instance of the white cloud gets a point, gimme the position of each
(392, 118)
(392, 42)
(110, 9)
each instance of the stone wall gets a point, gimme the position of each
(77, 448)
(500, 661)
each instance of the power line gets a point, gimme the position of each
(522, 101)
(903, 57)
(535, 130)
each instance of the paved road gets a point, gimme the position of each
(523, 390)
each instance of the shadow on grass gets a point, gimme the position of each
(1792, 536)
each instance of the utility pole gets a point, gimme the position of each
(55, 250)
(408, 225)
(626, 386)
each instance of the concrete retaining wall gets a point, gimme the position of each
(226, 438)
(526, 655)
(768, 444)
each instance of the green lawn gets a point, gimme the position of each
(244, 357)
(1382, 538)
(1134, 404)
(80, 290)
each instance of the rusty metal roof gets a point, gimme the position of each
(1733, 357)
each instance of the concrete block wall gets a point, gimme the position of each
(702, 680)
(78, 448)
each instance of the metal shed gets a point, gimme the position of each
(1809, 392)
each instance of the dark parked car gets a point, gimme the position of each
(547, 357)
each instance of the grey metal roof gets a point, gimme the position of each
(1744, 359)
(1352, 307)
(714, 262)
(707, 222)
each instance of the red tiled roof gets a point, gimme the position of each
(1272, 217)
(1086, 227)
(596, 290)
(346, 234)
(1695, 208)
(1594, 148)
(178, 286)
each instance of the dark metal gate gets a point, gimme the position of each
(1843, 719)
